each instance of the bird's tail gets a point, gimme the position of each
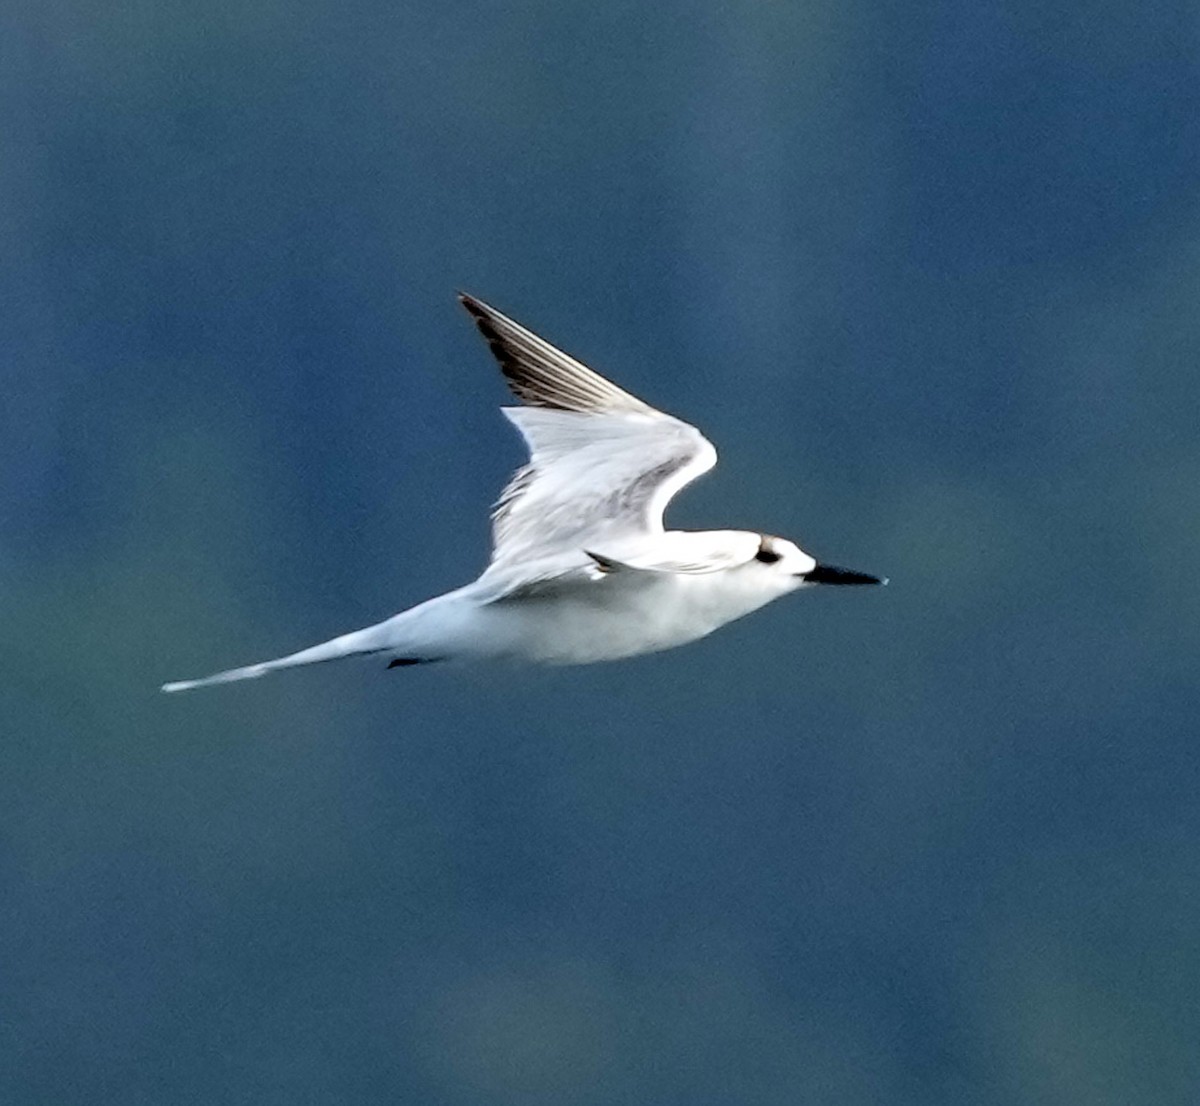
(358, 643)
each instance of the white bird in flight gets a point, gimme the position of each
(582, 569)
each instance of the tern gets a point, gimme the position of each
(582, 569)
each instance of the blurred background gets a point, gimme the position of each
(926, 274)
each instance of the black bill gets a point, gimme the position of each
(830, 574)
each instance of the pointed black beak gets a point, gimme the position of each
(828, 574)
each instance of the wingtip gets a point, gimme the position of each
(483, 316)
(604, 565)
(472, 303)
(540, 374)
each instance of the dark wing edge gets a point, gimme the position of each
(541, 375)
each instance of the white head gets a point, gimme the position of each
(790, 567)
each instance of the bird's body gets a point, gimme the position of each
(582, 569)
(606, 611)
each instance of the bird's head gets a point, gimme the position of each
(789, 565)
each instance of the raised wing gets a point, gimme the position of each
(603, 465)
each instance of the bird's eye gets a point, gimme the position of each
(767, 556)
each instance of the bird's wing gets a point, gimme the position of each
(603, 465)
(688, 564)
(638, 560)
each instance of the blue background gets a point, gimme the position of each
(927, 274)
